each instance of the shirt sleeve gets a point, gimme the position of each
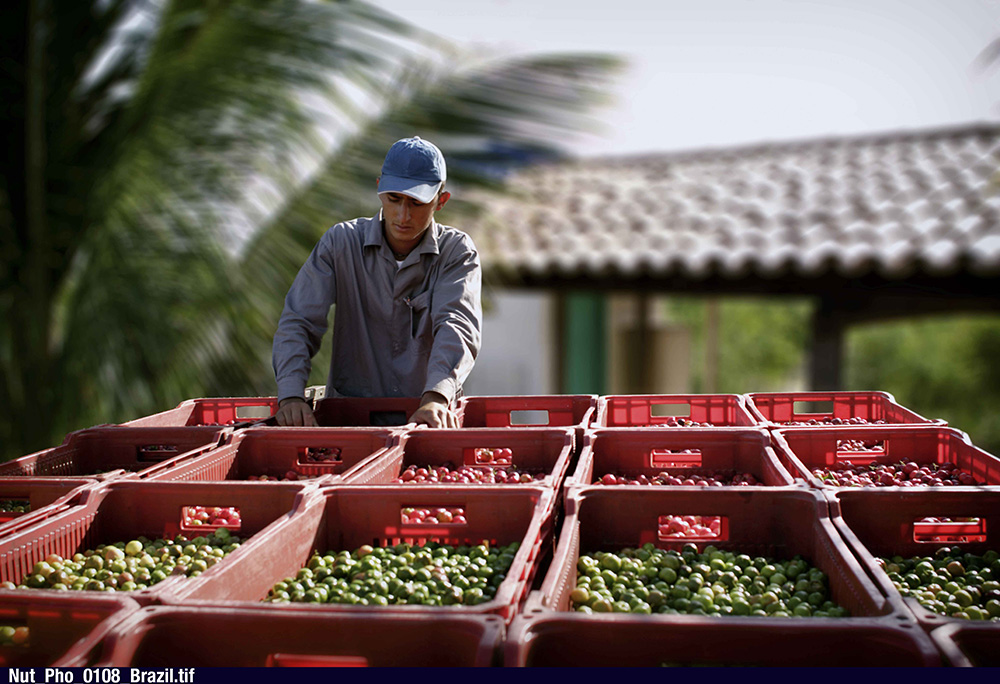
(304, 319)
(457, 319)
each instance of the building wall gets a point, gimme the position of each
(518, 352)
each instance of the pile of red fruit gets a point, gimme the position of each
(714, 478)
(453, 515)
(449, 474)
(901, 474)
(830, 420)
(227, 516)
(701, 526)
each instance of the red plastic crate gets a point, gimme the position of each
(220, 411)
(365, 411)
(968, 644)
(43, 494)
(559, 410)
(888, 522)
(776, 409)
(345, 517)
(174, 636)
(125, 509)
(62, 631)
(103, 453)
(684, 451)
(778, 523)
(571, 640)
(802, 450)
(657, 410)
(546, 450)
(276, 451)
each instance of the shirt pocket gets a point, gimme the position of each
(420, 316)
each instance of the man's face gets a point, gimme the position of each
(406, 220)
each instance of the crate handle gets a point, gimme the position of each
(675, 410)
(933, 530)
(387, 417)
(193, 519)
(488, 456)
(8, 515)
(680, 528)
(155, 452)
(860, 451)
(675, 458)
(307, 660)
(308, 455)
(422, 515)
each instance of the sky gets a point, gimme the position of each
(716, 73)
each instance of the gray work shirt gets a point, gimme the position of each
(397, 331)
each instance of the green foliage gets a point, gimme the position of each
(170, 163)
(942, 367)
(761, 343)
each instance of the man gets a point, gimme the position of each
(407, 292)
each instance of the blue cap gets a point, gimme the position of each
(413, 167)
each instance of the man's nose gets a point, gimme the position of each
(405, 212)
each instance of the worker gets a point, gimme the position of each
(407, 292)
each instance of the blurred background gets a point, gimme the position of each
(721, 196)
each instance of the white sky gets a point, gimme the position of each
(708, 73)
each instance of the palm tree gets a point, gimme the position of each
(169, 164)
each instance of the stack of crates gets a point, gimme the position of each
(292, 495)
(529, 492)
(875, 463)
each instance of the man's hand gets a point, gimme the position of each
(434, 412)
(295, 411)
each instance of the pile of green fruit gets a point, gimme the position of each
(431, 575)
(951, 582)
(128, 566)
(650, 580)
(14, 506)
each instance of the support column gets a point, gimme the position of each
(827, 348)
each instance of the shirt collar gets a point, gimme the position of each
(374, 238)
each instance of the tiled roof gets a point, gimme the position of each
(891, 206)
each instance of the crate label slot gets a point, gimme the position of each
(529, 417)
(308, 660)
(692, 528)
(319, 455)
(676, 410)
(675, 458)
(948, 530)
(156, 452)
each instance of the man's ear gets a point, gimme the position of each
(443, 199)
